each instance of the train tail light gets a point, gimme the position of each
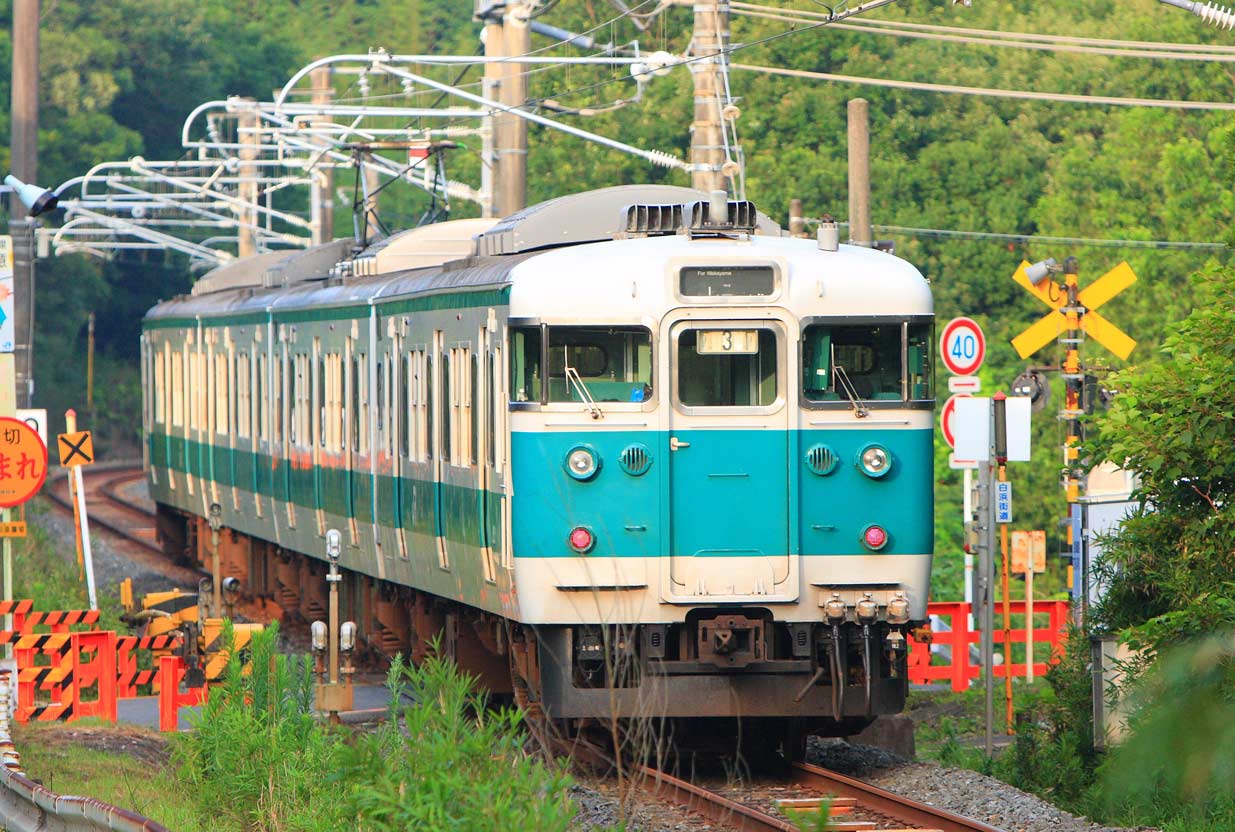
(581, 539)
(874, 538)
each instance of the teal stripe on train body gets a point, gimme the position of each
(327, 489)
(730, 496)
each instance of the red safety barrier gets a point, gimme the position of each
(80, 662)
(960, 671)
(171, 673)
(128, 675)
(25, 619)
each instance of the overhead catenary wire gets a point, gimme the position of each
(1163, 55)
(999, 34)
(1003, 237)
(1030, 95)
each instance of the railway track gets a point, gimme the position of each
(107, 507)
(854, 806)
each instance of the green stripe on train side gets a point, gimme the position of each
(438, 301)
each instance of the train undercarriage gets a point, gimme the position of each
(721, 672)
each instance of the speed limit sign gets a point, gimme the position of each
(962, 346)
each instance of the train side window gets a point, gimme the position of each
(320, 422)
(177, 362)
(919, 373)
(446, 421)
(378, 401)
(243, 412)
(159, 388)
(360, 403)
(405, 404)
(222, 399)
(525, 369)
(613, 363)
(293, 399)
(279, 398)
(862, 361)
(259, 394)
(475, 391)
(429, 371)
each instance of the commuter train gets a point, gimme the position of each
(632, 452)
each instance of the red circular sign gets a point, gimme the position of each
(947, 417)
(962, 346)
(23, 462)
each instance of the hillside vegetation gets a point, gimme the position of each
(118, 79)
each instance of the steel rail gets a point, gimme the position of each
(114, 528)
(711, 805)
(885, 802)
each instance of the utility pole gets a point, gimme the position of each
(508, 34)
(710, 38)
(25, 163)
(859, 173)
(322, 196)
(247, 138)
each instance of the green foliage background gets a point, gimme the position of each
(118, 79)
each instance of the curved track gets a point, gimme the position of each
(108, 508)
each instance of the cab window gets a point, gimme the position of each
(864, 361)
(574, 363)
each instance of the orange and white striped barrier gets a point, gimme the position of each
(128, 675)
(171, 674)
(88, 663)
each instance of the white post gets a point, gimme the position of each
(70, 426)
(968, 514)
(85, 537)
(1029, 618)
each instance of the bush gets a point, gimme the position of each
(257, 759)
(448, 763)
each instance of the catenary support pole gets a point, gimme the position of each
(24, 115)
(859, 173)
(512, 130)
(322, 196)
(709, 38)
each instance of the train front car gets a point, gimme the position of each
(721, 444)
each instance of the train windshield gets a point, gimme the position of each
(872, 362)
(577, 363)
(727, 367)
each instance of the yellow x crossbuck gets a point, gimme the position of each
(1091, 297)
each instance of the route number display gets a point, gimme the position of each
(962, 346)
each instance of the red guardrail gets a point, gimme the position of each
(959, 671)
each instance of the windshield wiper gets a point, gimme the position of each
(846, 387)
(572, 378)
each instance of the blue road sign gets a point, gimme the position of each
(1003, 502)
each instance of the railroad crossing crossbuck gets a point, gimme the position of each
(1090, 298)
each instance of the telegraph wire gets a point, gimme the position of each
(897, 31)
(1060, 98)
(995, 236)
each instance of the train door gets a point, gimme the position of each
(485, 406)
(728, 453)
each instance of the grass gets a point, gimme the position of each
(46, 571)
(125, 767)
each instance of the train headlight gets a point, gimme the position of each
(874, 537)
(582, 463)
(581, 539)
(875, 461)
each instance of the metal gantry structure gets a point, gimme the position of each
(263, 175)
